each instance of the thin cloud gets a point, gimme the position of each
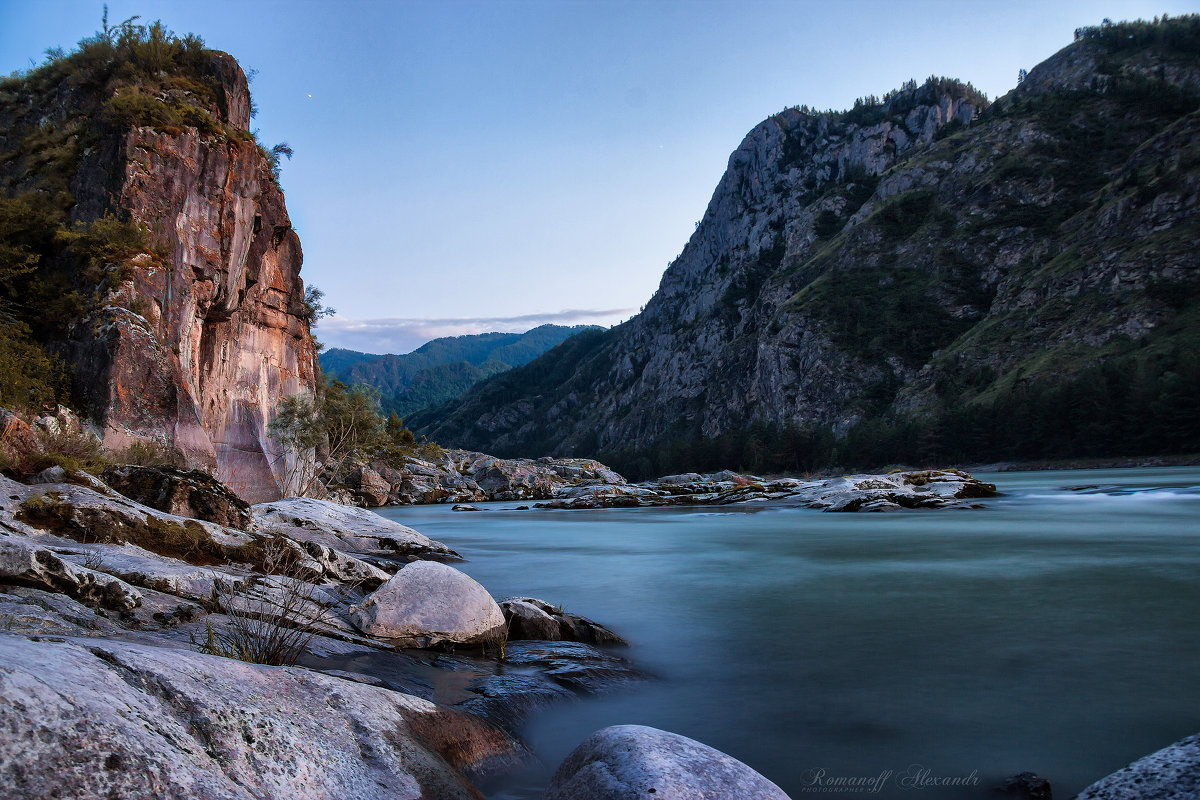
(404, 334)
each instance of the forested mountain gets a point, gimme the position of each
(925, 277)
(441, 369)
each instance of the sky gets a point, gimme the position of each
(462, 167)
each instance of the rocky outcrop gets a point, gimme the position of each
(112, 614)
(24, 564)
(430, 603)
(87, 718)
(194, 321)
(1172, 773)
(923, 489)
(347, 528)
(530, 618)
(626, 761)
(582, 483)
(184, 493)
(221, 332)
(462, 476)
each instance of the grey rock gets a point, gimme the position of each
(1172, 773)
(38, 612)
(530, 618)
(429, 603)
(626, 761)
(346, 528)
(183, 492)
(23, 562)
(85, 718)
(527, 619)
(892, 492)
(57, 474)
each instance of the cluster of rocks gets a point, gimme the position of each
(462, 476)
(891, 492)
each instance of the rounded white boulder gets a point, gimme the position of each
(637, 761)
(430, 602)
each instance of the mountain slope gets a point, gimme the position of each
(441, 369)
(926, 276)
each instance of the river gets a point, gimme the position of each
(1056, 630)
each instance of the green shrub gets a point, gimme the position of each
(132, 107)
(104, 246)
(144, 453)
(74, 451)
(901, 216)
(29, 376)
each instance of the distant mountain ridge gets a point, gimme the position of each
(926, 277)
(441, 369)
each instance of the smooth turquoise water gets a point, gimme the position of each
(1054, 630)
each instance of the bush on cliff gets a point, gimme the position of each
(29, 376)
(341, 426)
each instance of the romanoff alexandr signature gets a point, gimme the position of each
(914, 777)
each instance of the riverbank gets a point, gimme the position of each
(194, 646)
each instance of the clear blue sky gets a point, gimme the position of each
(471, 166)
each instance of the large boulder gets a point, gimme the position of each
(1172, 773)
(85, 718)
(626, 761)
(428, 603)
(182, 492)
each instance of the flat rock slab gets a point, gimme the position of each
(346, 528)
(87, 718)
(1172, 773)
(626, 761)
(428, 603)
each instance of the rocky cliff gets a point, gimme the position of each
(894, 281)
(184, 267)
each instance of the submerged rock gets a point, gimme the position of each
(626, 761)
(90, 718)
(1172, 773)
(427, 603)
(1024, 786)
